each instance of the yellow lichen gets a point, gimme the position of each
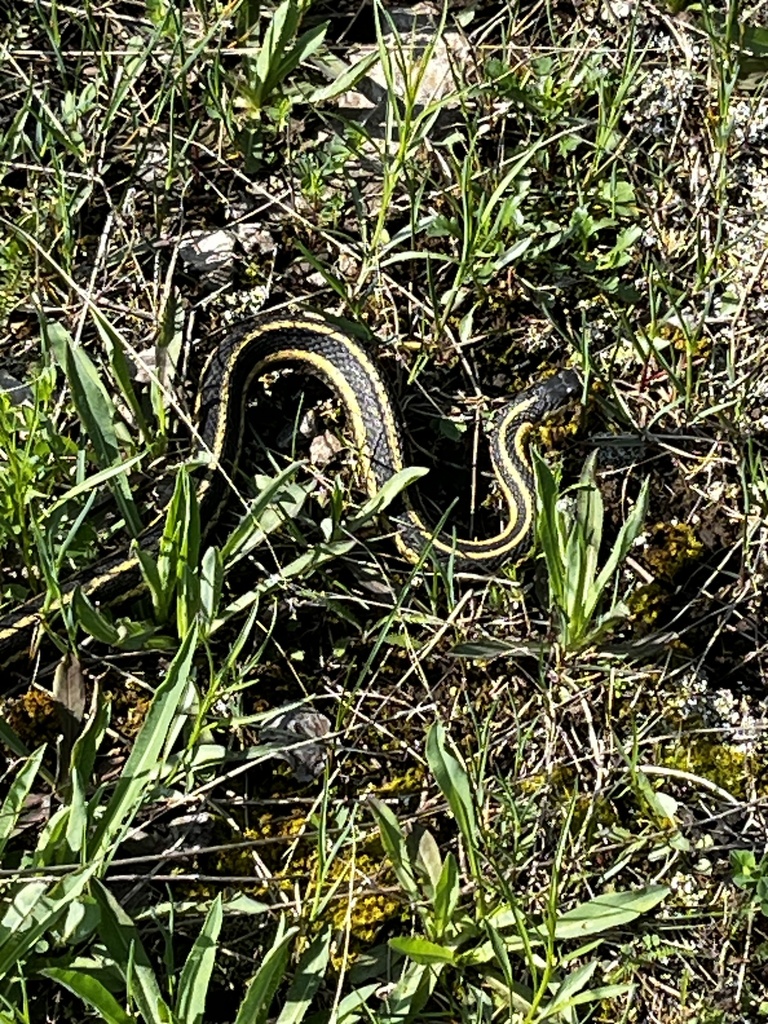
(33, 717)
(646, 603)
(358, 913)
(410, 782)
(671, 546)
(726, 766)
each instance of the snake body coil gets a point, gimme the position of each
(328, 352)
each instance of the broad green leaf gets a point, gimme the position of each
(204, 756)
(263, 519)
(179, 553)
(21, 906)
(571, 985)
(571, 545)
(92, 620)
(81, 919)
(598, 915)
(663, 808)
(305, 46)
(86, 747)
(618, 611)
(92, 992)
(589, 515)
(121, 370)
(429, 862)
(157, 588)
(211, 583)
(513, 994)
(283, 25)
(559, 1007)
(610, 910)
(91, 398)
(255, 525)
(410, 994)
(167, 352)
(549, 531)
(592, 918)
(302, 566)
(77, 819)
(90, 483)
(574, 596)
(352, 1008)
(9, 739)
(51, 845)
(346, 80)
(422, 951)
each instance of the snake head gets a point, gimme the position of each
(544, 398)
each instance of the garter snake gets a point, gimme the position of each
(330, 353)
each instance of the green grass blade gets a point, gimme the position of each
(394, 843)
(17, 794)
(254, 1008)
(196, 975)
(307, 980)
(97, 413)
(549, 530)
(453, 780)
(31, 911)
(627, 534)
(120, 936)
(262, 518)
(589, 517)
(141, 767)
